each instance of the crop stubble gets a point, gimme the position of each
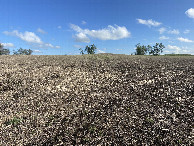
(96, 99)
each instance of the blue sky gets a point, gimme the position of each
(58, 27)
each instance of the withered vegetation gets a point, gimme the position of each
(96, 99)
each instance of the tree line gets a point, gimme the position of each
(91, 49)
(140, 49)
(4, 51)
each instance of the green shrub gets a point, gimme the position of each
(4, 51)
(23, 52)
(15, 121)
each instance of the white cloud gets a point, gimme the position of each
(30, 37)
(37, 51)
(76, 28)
(166, 51)
(109, 33)
(164, 38)
(162, 30)
(174, 31)
(59, 27)
(178, 50)
(84, 22)
(100, 51)
(8, 44)
(181, 39)
(57, 47)
(26, 36)
(41, 31)
(81, 37)
(175, 49)
(186, 31)
(190, 12)
(149, 22)
(171, 42)
(49, 45)
(120, 49)
(188, 50)
(77, 46)
(46, 46)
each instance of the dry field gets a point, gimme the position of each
(99, 99)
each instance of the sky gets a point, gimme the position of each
(62, 27)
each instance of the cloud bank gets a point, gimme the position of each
(178, 50)
(175, 49)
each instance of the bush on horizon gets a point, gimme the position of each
(4, 51)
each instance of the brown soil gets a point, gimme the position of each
(96, 99)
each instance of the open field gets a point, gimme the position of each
(96, 99)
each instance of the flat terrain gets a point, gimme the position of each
(96, 99)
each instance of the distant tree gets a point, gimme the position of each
(140, 50)
(81, 51)
(23, 52)
(90, 49)
(4, 51)
(156, 50)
